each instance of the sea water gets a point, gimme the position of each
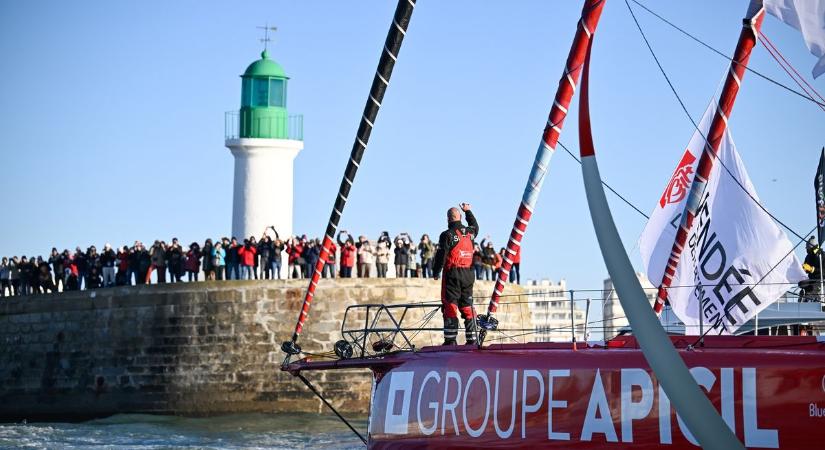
(140, 431)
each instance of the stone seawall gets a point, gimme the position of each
(190, 349)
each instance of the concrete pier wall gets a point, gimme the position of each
(190, 349)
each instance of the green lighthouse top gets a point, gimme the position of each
(265, 67)
(263, 113)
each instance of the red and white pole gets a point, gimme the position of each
(591, 12)
(747, 41)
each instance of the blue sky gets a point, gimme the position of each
(113, 114)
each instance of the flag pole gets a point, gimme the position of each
(821, 280)
(747, 41)
(380, 82)
(819, 194)
(591, 12)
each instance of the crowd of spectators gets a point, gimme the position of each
(229, 259)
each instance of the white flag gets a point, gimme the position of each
(736, 260)
(807, 16)
(660, 231)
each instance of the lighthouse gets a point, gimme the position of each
(264, 140)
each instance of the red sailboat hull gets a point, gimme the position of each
(770, 390)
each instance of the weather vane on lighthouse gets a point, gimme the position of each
(266, 40)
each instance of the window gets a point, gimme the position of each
(246, 92)
(260, 92)
(277, 93)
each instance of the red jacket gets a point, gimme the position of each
(193, 262)
(332, 249)
(347, 255)
(294, 252)
(122, 262)
(247, 255)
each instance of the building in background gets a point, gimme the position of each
(613, 313)
(264, 139)
(550, 305)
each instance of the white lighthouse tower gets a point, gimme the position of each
(264, 140)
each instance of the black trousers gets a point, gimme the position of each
(457, 298)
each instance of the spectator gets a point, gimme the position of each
(412, 264)
(255, 258)
(208, 260)
(246, 256)
(366, 256)
(277, 255)
(427, 250)
(92, 278)
(192, 264)
(93, 261)
(44, 277)
(329, 265)
(175, 257)
(218, 262)
(158, 256)
(305, 257)
(358, 265)
(5, 283)
(264, 256)
(34, 278)
(25, 275)
(57, 266)
(141, 261)
(478, 266)
(232, 260)
(295, 248)
(402, 256)
(107, 262)
(72, 274)
(79, 261)
(488, 258)
(515, 271)
(385, 238)
(313, 253)
(382, 257)
(499, 258)
(123, 277)
(347, 254)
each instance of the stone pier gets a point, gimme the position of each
(191, 349)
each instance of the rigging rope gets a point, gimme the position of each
(332, 408)
(576, 158)
(788, 68)
(749, 69)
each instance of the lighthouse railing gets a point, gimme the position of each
(278, 126)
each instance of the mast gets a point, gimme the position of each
(389, 55)
(690, 401)
(591, 12)
(747, 41)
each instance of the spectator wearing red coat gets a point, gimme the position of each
(294, 248)
(348, 251)
(329, 264)
(515, 271)
(192, 264)
(246, 255)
